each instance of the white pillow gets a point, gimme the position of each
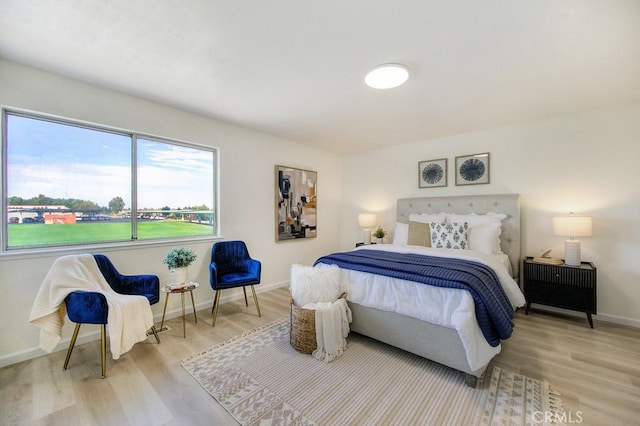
(401, 234)
(485, 238)
(315, 284)
(428, 217)
(476, 219)
(449, 235)
(497, 216)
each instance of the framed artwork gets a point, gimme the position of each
(296, 203)
(432, 173)
(472, 169)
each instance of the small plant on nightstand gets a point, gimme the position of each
(379, 233)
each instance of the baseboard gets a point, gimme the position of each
(614, 319)
(93, 333)
(227, 296)
(35, 352)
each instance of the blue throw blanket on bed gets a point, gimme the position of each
(493, 309)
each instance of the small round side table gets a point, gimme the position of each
(188, 287)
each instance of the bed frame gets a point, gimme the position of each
(434, 342)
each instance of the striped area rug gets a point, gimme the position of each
(260, 379)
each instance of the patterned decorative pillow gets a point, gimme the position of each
(449, 235)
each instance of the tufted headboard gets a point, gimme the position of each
(508, 204)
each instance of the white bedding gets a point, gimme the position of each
(447, 307)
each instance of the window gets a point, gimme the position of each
(68, 183)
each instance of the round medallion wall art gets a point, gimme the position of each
(432, 173)
(472, 169)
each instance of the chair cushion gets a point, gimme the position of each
(87, 307)
(237, 279)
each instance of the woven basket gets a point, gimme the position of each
(303, 327)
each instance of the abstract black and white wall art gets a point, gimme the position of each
(472, 169)
(296, 203)
(432, 173)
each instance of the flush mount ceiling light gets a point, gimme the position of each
(387, 76)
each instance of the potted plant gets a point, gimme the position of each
(379, 233)
(178, 260)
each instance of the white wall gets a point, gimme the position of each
(586, 163)
(247, 212)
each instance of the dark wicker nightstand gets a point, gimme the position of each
(562, 286)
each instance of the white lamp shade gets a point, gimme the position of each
(367, 220)
(572, 226)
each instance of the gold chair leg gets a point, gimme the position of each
(246, 302)
(255, 298)
(216, 302)
(72, 343)
(103, 357)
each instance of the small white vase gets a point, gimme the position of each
(179, 275)
(379, 240)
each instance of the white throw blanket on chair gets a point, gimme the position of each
(128, 319)
(332, 328)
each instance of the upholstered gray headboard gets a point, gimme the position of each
(508, 204)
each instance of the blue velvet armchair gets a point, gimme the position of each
(231, 266)
(90, 307)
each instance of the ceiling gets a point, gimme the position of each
(295, 69)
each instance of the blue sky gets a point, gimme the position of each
(62, 161)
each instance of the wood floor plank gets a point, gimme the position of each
(96, 399)
(54, 391)
(597, 371)
(593, 369)
(16, 393)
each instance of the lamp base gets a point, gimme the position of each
(572, 253)
(367, 236)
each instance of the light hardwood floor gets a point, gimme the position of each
(596, 371)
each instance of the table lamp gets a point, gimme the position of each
(367, 221)
(572, 226)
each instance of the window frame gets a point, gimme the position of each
(5, 250)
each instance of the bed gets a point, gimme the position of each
(444, 329)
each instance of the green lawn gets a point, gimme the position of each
(30, 234)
